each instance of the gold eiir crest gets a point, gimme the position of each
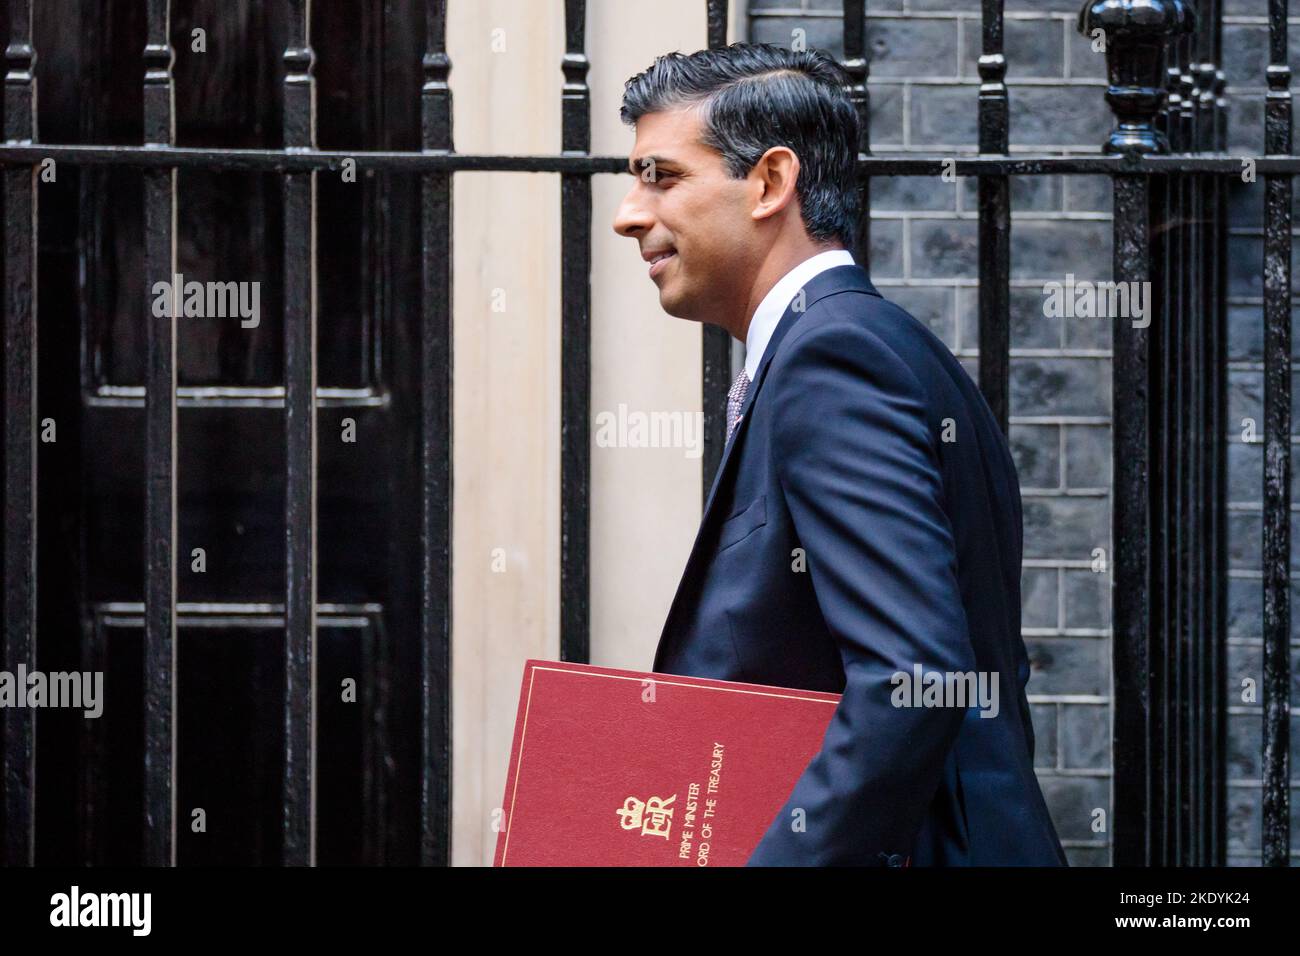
(653, 816)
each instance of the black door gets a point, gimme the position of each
(231, 437)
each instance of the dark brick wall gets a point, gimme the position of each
(923, 86)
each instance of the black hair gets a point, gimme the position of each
(754, 96)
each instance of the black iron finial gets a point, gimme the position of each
(1137, 34)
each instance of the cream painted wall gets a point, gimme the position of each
(645, 505)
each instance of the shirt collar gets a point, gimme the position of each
(774, 304)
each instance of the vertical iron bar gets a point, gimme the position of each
(20, 436)
(1204, 438)
(1176, 463)
(1196, 441)
(436, 450)
(1135, 61)
(1219, 476)
(1164, 495)
(300, 425)
(1162, 729)
(1188, 422)
(160, 453)
(92, 755)
(1277, 449)
(92, 201)
(717, 342)
(994, 225)
(858, 68)
(575, 373)
(1131, 518)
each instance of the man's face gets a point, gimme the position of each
(682, 203)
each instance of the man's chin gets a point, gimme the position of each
(678, 309)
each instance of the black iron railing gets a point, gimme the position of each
(1168, 164)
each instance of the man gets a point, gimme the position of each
(863, 533)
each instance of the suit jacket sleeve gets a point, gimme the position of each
(860, 472)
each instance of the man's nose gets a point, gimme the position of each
(631, 219)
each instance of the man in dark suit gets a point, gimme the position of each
(863, 533)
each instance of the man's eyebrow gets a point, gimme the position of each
(634, 165)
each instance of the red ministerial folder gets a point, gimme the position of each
(628, 768)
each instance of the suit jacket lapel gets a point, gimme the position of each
(823, 284)
(837, 279)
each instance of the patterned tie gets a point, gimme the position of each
(735, 399)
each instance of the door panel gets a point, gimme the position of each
(230, 439)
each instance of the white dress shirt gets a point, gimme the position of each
(773, 306)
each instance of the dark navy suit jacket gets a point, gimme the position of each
(866, 519)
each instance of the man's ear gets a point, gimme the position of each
(775, 174)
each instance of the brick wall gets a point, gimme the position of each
(924, 255)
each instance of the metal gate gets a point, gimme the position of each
(1167, 161)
